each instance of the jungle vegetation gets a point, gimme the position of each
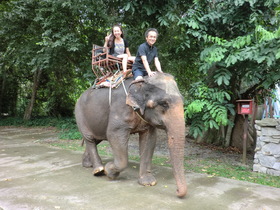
(218, 51)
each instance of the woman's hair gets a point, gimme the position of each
(150, 29)
(112, 37)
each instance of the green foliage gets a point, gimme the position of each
(258, 45)
(239, 43)
(213, 54)
(222, 76)
(56, 37)
(209, 110)
(68, 129)
(240, 39)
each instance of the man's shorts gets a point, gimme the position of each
(139, 72)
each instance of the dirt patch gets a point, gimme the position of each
(193, 150)
(196, 151)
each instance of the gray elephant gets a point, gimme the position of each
(140, 107)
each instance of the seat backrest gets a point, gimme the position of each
(103, 63)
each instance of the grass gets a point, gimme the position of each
(213, 167)
(216, 167)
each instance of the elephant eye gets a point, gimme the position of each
(163, 104)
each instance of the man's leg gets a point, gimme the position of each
(138, 74)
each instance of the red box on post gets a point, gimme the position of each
(244, 106)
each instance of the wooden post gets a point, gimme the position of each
(245, 133)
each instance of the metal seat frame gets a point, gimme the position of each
(104, 64)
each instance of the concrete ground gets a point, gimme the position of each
(37, 176)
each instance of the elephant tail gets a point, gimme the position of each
(83, 142)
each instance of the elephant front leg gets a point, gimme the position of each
(147, 141)
(92, 158)
(119, 144)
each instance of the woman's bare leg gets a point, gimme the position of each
(124, 61)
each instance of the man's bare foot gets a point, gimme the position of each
(139, 78)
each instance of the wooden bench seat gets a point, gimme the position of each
(104, 64)
(106, 67)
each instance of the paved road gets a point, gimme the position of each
(36, 176)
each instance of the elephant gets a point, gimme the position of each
(134, 107)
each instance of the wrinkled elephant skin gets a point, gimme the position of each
(152, 103)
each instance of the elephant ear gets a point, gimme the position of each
(135, 97)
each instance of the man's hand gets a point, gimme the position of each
(151, 73)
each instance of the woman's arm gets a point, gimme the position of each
(106, 42)
(128, 52)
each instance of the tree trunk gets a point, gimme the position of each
(229, 132)
(237, 135)
(2, 92)
(29, 108)
(270, 108)
(212, 136)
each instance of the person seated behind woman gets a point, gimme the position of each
(118, 46)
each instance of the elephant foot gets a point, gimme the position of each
(98, 171)
(110, 171)
(147, 180)
(87, 164)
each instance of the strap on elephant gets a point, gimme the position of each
(121, 79)
(110, 95)
(140, 116)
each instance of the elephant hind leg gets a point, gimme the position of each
(91, 158)
(86, 160)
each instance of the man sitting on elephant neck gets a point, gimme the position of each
(146, 53)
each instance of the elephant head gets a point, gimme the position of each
(160, 103)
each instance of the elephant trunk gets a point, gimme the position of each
(176, 143)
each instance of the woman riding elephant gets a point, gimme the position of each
(151, 103)
(118, 46)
